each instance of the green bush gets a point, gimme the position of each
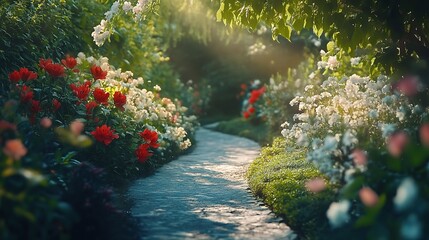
(34, 29)
(243, 128)
(279, 177)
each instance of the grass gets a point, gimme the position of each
(279, 177)
(240, 127)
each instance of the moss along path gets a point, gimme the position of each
(204, 195)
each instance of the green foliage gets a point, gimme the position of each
(279, 178)
(396, 202)
(397, 29)
(241, 127)
(34, 29)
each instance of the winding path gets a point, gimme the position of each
(204, 195)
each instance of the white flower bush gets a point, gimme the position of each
(103, 30)
(337, 111)
(145, 107)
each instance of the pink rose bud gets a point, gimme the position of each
(315, 185)
(424, 134)
(15, 149)
(46, 122)
(76, 127)
(359, 157)
(368, 197)
(397, 143)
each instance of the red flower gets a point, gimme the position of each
(150, 137)
(246, 115)
(14, 76)
(120, 100)
(101, 96)
(56, 104)
(142, 152)
(98, 73)
(55, 70)
(251, 110)
(35, 107)
(82, 91)
(26, 94)
(104, 134)
(27, 74)
(243, 86)
(44, 62)
(90, 107)
(69, 62)
(255, 94)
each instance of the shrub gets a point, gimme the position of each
(280, 178)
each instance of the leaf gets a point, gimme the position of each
(285, 31)
(351, 189)
(330, 46)
(371, 213)
(219, 12)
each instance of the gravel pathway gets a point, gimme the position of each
(204, 195)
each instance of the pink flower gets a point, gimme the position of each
(315, 185)
(46, 122)
(15, 149)
(409, 86)
(76, 127)
(368, 197)
(424, 134)
(397, 143)
(359, 157)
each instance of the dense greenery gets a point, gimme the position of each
(397, 29)
(279, 178)
(34, 29)
(243, 128)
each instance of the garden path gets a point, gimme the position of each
(204, 195)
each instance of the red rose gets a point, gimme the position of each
(104, 134)
(90, 107)
(26, 94)
(251, 110)
(56, 104)
(81, 91)
(150, 137)
(246, 115)
(69, 62)
(255, 94)
(55, 70)
(27, 74)
(98, 73)
(120, 100)
(142, 153)
(44, 62)
(14, 76)
(101, 96)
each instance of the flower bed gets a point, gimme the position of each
(67, 129)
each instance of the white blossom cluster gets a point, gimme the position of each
(336, 113)
(144, 106)
(102, 32)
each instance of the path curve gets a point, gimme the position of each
(204, 195)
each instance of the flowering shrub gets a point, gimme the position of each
(337, 112)
(252, 100)
(114, 105)
(386, 198)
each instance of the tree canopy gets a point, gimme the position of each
(398, 29)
